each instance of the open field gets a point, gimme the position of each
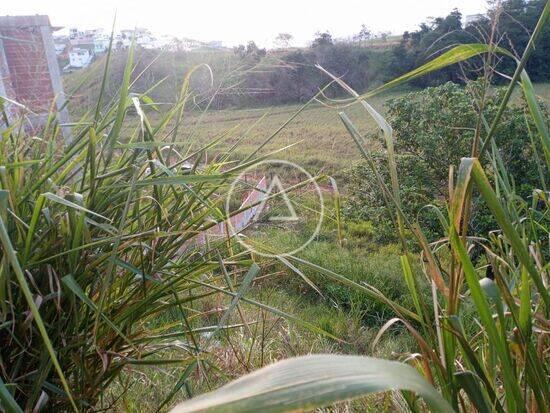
(320, 140)
(180, 232)
(318, 137)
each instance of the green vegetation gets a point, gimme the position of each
(101, 270)
(435, 128)
(252, 77)
(109, 301)
(490, 359)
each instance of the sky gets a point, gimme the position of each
(237, 21)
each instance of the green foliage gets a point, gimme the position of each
(322, 39)
(509, 23)
(292, 77)
(514, 18)
(100, 244)
(248, 76)
(499, 366)
(435, 128)
(365, 203)
(497, 363)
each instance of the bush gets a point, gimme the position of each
(434, 128)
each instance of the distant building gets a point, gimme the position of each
(101, 44)
(59, 48)
(29, 73)
(97, 43)
(473, 18)
(74, 33)
(79, 58)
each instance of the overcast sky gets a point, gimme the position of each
(237, 21)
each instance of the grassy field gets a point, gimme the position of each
(320, 144)
(320, 141)
(342, 312)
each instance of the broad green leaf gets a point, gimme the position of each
(472, 386)
(304, 383)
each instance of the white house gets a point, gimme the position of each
(59, 48)
(101, 44)
(74, 33)
(79, 58)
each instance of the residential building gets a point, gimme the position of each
(79, 58)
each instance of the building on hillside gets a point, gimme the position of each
(79, 58)
(101, 44)
(29, 72)
(60, 48)
(97, 43)
(74, 33)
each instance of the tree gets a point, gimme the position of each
(250, 51)
(383, 36)
(240, 51)
(363, 35)
(322, 39)
(283, 40)
(512, 21)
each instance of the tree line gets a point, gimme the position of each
(290, 75)
(252, 76)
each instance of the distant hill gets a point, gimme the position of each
(163, 70)
(240, 78)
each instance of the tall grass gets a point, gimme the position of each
(497, 361)
(98, 241)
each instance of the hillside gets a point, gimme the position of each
(248, 78)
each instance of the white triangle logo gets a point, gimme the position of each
(276, 182)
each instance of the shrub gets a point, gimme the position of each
(434, 128)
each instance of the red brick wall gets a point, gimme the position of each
(27, 66)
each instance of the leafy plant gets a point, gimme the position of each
(435, 128)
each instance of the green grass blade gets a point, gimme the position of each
(122, 102)
(471, 385)
(536, 114)
(484, 187)
(174, 180)
(249, 277)
(72, 285)
(12, 259)
(8, 404)
(514, 399)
